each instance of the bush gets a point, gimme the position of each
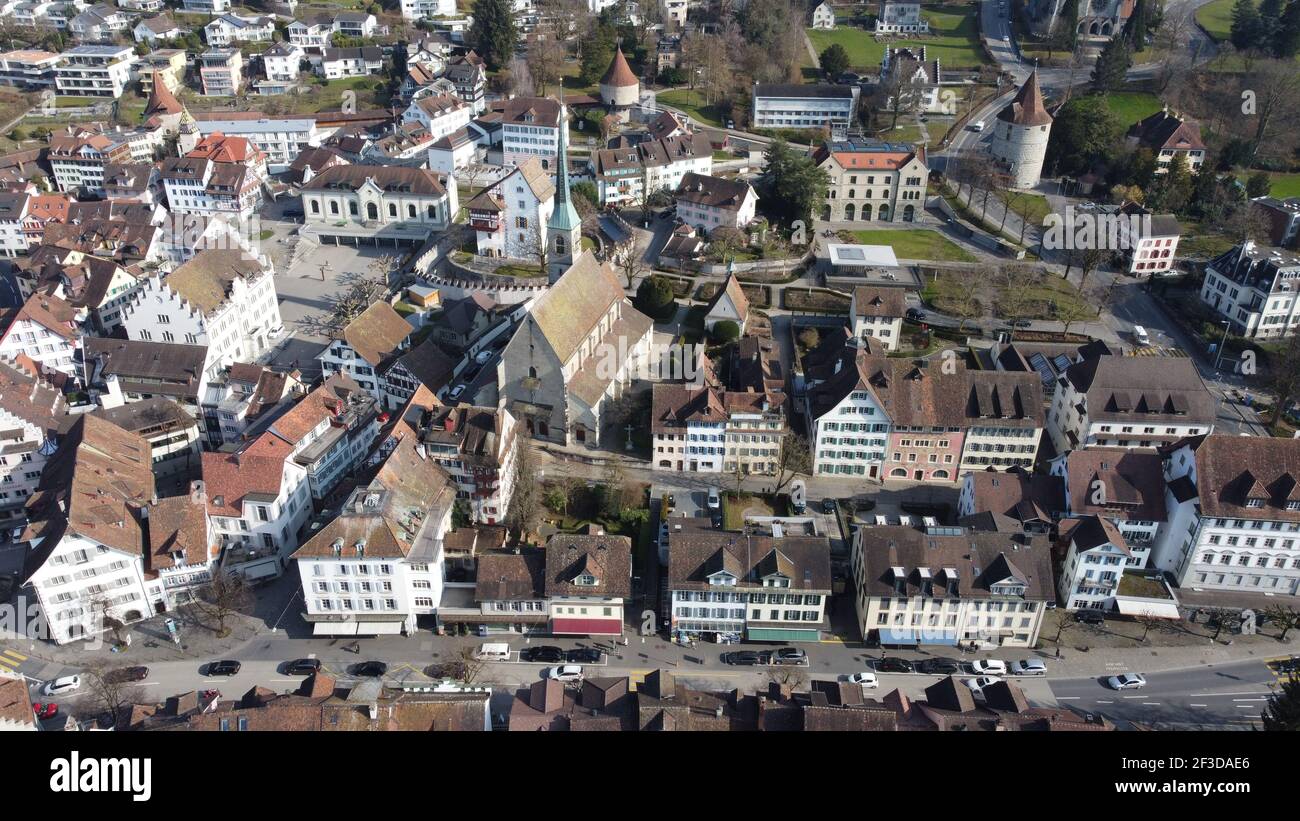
(672, 77)
(726, 331)
(654, 297)
(809, 337)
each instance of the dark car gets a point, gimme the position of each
(370, 669)
(1089, 617)
(1021, 323)
(585, 655)
(745, 657)
(893, 664)
(126, 675)
(915, 314)
(939, 667)
(544, 653)
(303, 667)
(789, 655)
(224, 668)
(828, 505)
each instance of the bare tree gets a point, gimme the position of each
(1148, 623)
(794, 459)
(359, 290)
(1287, 618)
(789, 676)
(1066, 621)
(1072, 311)
(1284, 376)
(466, 668)
(1276, 106)
(526, 496)
(221, 599)
(110, 694)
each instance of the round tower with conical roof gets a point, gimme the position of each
(619, 88)
(1020, 135)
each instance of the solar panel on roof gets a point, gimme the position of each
(852, 253)
(1039, 363)
(1061, 361)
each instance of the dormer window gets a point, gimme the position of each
(1293, 505)
(585, 580)
(1254, 501)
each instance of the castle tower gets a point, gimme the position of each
(564, 229)
(619, 88)
(164, 109)
(1020, 135)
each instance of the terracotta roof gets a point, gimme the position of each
(1139, 390)
(219, 148)
(16, 702)
(736, 293)
(505, 576)
(607, 558)
(178, 524)
(619, 73)
(697, 551)
(879, 302)
(1027, 108)
(377, 333)
(1133, 480)
(161, 99)
(322, 403)
(535, 111)
(1232, 469)
(1022, 496)
(28, 398)
(50, 312)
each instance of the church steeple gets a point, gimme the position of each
(564, 230)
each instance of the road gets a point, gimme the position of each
(1223, 696)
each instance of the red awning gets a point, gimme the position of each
(587, 627)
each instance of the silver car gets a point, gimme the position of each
(1028, 667)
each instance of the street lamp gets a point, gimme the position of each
(1222, 343)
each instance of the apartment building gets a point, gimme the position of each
(752, 586)
(530, 127)
(873, 181)
(1283, 216)
(94, 70)
(1233, 529)
(78, 155)
(171, 432)
(280, 138)
(876, 312)
(509, 218)
(45, 330)
(246, 395)
(1129, 401)
(229, 29)
(950, 586)
(100, 22)
(468, 76)
(206, 6)
(377, 566)
(368, 347)
(1253, 288)
(626, 176)
(261, 496)
(221, 299)
(336, 63)
(1010, 501)
(709, 203)
(221, 71)
(804, 106)
(28, 68)
(1095, 573)
(424, 9)
(102, 545)
(1122, 486)
(901, 18)
(440, 114)
(31, 411)
(588, 578)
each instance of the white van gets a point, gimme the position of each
(1140, 335)
(978, 125)
(494, 652)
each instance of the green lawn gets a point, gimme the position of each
(692, 102)
(905, 134)
(1031, 207)
(1216, 18)
(1131, 106)
(954, 40)
(1284, 185)
(918, 244)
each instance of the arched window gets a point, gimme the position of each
(901, 472)
(939, 474)
(433, 212)
(315, 206)
(352, 208)
(334, 208)
(561, 245)
(532, 373)
(410, 210)
(909, 212)
(884, 213)
(826, 212)
(848, 212)
(392, 210)
(866, 212)
(372, 211)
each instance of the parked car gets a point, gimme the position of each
(977, 685)
(61, 685)
(893, 664)
(226, 667)
(744, 657)
(1029, 667)
(1089, 616)
(865, 679)
(1127, 681)
(828, 505)
(126, 675)
(789, 655)
(46, 710)
(1021, 323)
(585, 655)
(990, 667)
(566, 673)
(369, 669)
(456, 392)
(482, 357)
(915, 314)
(672, 502)
(939, 667)
(544, 653)
(303, 667)
(715, 501)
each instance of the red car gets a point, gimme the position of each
(44, 711)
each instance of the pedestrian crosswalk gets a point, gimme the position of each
(1157, 350)
(10, 660)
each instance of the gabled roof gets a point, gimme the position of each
(1133, 481)
(377, 334)
(1230, 470)
(568, 311)
(608, 558)
(733, 291)
(1164, 131)
(712, 192)
(205, 280)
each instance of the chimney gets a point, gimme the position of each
(449, 424)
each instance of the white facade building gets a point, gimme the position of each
(95, 70)
(1255, 289)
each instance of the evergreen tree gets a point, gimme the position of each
(791, 185)
(1258, 184)
(1112, 64)
(1135, 28)
(493, 34)
(834, 60)
(1070, 22)
(1283, 711)
(1246, 25)
(1287, 41)
(1085, 131)
(1270, 22)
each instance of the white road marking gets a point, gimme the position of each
(1196, 705)
(1150, 704)
(1067, 698)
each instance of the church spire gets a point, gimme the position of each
(564, 229)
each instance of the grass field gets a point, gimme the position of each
(954, 40)
(1131, 106)
(946, 291)
(1216, 18)
(919, 244)
(1031, 207)
(692, 102)
(1285, 185)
